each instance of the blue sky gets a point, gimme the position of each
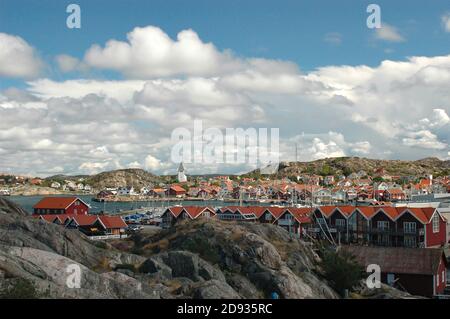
(310, 68)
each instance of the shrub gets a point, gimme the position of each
(341, 270)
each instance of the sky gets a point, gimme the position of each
(110, 94)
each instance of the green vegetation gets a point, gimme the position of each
(326, 170)
(341, 270)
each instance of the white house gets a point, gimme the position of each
(126, 191)
(55, 185)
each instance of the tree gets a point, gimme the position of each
(341, 270)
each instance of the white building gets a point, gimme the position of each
(125, 191)
(181, 175)
(55, 185)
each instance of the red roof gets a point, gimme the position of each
(84, 220)
(302, 215)
(112, 222)
(177, 188)
(55, 202)
(195, 211)
(366, 211)
(175, 210)
(275, 211)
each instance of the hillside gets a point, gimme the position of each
(347, 165)
(123, 177)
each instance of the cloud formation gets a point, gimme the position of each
(17, 58)
(398, 109)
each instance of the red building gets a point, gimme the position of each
(381, 226)
(173, 214)
(176, 190)
(394, 194)
(61, 205)
(418, 271)
(294, 219)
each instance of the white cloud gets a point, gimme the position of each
(120, 90)
(388, 33)
(92, 168)
(17, 58)
(67, 63)
(150, 52)
(134, 164)
(438, 119)
(152, 163)
(424, 139)
(445, 19)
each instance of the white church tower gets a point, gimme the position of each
(181, 175)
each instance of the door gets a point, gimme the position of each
(390, 279)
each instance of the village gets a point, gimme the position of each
(409, 240)
(401, 223)
(358, 186)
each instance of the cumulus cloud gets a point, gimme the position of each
(388, 33)
(17, 58)
(150, 52)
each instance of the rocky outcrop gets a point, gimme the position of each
(124, 177)
(253, 260)
(40, 253)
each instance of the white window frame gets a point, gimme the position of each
(383, 225)
(408, 227)
(340, 222)
(436, 224)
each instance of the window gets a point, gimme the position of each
(409, 227)
(437, 279)
(383, 225)
(268, 216)
(340, 222)
(436, 223)
(410, 241)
